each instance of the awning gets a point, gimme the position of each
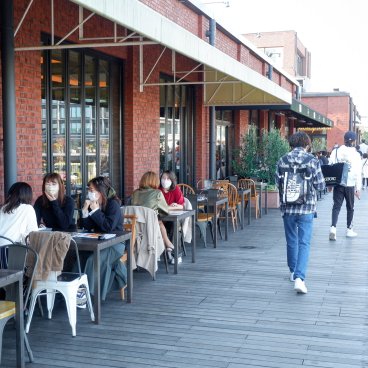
(226, 81)
(309, 116)
(302, 114)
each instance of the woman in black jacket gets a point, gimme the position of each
(101, 213)
(53, 208)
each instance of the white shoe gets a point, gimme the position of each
(350, 233)
(292, 276)
(332, 233)
(299, 286)
(180, 260)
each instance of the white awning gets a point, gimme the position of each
(227, 82)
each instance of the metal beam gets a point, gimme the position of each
(84, 45)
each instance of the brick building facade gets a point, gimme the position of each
(136, 116)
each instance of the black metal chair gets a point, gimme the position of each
(17, 256)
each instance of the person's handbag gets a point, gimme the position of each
(336, 174)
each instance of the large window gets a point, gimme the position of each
(177, 130)
(77, 119)
(224, 142)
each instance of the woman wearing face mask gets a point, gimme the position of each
(53, 208)
(101, 213)
(172, 193)
(173, 197)
(148, 195)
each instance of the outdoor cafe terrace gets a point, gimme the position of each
(235, 307)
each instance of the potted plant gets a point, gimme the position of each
(273, 146)
(257, 158)
(245, 163)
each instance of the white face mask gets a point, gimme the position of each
(166, 183)
(93, 196)
(52, 189)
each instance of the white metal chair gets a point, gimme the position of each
(66, 283)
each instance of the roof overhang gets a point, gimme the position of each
(302, 114)
(226, 81)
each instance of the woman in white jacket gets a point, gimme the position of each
(17, 215)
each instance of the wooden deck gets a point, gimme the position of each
(234, 308)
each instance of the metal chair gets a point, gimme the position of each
(203, 219)
(66, 283)
(250, 184)
(129, 222)
(18, 255)
(186, 189)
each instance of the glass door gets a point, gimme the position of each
(177, 131)
(224, 143)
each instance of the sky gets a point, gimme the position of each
(334, 31)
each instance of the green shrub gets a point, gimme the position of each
(257, 158)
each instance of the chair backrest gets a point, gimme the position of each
(248, 184)
(186, 189)
(129, 222)
(199, 184)
(232, 195)
(22, 258)
(221, 186)
(52, 247)
(4, 242)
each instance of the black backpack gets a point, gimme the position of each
(295, 181)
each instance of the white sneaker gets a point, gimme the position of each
(292, 276)
(180, 260)
(299, 286)
(332, 233)
(350, 233)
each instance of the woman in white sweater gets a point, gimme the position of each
(17, 215)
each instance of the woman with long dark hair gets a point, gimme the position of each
(17, 216)
(53, 208)
(101, 213)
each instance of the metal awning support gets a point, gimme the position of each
(140, 18)
(148, 27)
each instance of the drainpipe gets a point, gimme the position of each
(8, 93)
(211, 34)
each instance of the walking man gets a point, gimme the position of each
(296, 171)
(346, 153)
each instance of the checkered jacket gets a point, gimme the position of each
(297, 155)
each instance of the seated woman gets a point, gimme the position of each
(173, 196)
(172, 193)
(101, 213)
(17, 216)
(53, 208)
(148, 195)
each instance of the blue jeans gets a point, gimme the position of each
(298, 234)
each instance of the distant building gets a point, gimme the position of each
(286, 51)
(339, 107)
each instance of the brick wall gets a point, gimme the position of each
(141, 110)
(336, 108)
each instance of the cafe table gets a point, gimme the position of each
(244, 194)
(15, 278)
(177, 217)
(211, 199)
(96, 245)
(262, 187)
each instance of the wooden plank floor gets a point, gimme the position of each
(234, 308)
